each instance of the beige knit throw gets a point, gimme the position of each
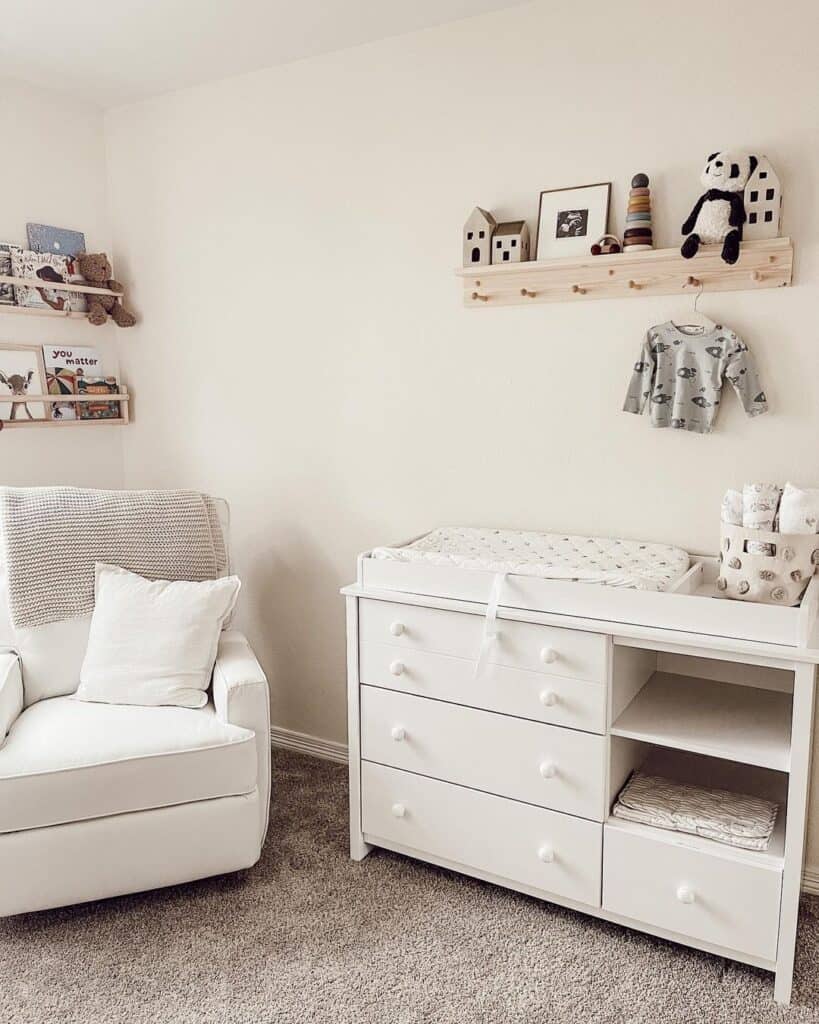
(52, 536)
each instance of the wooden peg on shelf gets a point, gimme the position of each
(577, 290)
(479, 297)
(527, 294)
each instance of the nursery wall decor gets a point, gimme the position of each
(638, 233)
(96, 270)
(510, 243)
(763, 202)
(6, 288)
(478, 231)
(48, 268)
(719, 214)
(61, 241)
(606, 245)
(568, 217)
(21, 373)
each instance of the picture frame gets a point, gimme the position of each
(569, 220)
(22, 372)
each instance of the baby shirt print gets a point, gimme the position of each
(680, 375)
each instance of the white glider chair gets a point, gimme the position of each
(98, 800)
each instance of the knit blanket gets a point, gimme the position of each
(736, 819)
(53, 536)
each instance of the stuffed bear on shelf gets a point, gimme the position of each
(96, 270)
(720, 211)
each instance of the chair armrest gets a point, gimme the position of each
(11, 691)
(241, 697)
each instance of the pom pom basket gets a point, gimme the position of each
(778, 577)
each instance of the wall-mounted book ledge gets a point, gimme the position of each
(36, 282)
(121, 398)
(762, 264)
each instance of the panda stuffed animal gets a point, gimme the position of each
(720, 211)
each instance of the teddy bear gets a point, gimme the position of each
(720, 211)
(96, 270)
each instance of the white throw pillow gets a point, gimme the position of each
(153, 641)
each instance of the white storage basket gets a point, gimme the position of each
(776, 578)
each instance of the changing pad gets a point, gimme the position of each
(556, 556)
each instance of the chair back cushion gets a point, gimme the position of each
(52, 655)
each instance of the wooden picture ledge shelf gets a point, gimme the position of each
(35, 282)
(121, 396)
(762, 264)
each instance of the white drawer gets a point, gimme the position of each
(511, 691)
(551, 852)
(539, 764)
(714, 898)
(562, 652)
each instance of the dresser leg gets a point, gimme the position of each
(358, 848)
(798, 786)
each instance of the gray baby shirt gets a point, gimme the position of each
(681, 372)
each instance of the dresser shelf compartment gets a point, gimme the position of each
(747, 724)
(767, 263)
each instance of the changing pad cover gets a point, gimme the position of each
(557, 556)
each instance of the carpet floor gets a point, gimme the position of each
(308, 936)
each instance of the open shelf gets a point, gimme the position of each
(724, 720)
(69, 286)
(717, 774)
(766, 263)
(121, 396)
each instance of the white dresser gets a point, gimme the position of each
(509, 773)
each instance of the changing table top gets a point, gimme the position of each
(638, 565)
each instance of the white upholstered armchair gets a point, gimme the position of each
(97, 800)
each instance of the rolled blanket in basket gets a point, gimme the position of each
(731, 511)
(732, 818)
(760, 503)
(799, 510)
(53, 536)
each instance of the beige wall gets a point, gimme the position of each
(54, 173)
(292, 236)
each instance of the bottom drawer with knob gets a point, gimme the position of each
(721, 898)
(555, 853)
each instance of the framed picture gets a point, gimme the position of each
(570, 219)
(22, 372)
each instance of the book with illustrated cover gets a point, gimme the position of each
(6, 289)
(51, 270)
(63, 366)
(101, 386)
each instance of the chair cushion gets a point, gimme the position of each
(52, 655)
(68, 760)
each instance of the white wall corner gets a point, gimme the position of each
(301, 742)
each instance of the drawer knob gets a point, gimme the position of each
(398, 733)
(548, 698)
(398, 810)
(546, 854)
(685, 894)
(548, 769)
(397, 628)
(397, 668)
(548, 655)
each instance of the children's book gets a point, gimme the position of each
(63, 365)
(6, 289)
(98, 410)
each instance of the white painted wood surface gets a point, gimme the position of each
(540, 764)
(740, 723)
(690, 892)
(358, 848)
(553, 853)
(540, 696)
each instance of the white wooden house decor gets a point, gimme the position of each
(510, 243)
(763, 202)
(478, 231)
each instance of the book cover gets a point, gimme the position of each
(63, 365)
(98, 410)
(6, 289)
(51, 270)
(61, 241)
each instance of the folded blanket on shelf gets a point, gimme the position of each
(732, 818)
